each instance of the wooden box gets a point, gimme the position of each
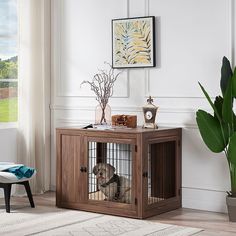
(147, 161)
(129, 121)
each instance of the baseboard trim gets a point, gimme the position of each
(53, 188)
(204, 199)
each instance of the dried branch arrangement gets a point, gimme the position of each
(102, 85)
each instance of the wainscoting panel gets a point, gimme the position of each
(85, 44)
(204, 199)
(192, 37)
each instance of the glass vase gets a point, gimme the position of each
(103, 116)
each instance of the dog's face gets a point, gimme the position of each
(103, 171)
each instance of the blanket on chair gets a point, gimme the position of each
(19, 170)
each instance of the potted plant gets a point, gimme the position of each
(218, 131)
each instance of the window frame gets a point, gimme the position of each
(7, 36)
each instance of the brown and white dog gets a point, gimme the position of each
(114, 187)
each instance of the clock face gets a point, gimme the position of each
(148, 115)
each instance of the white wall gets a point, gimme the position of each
(192, 36)
(8, 147)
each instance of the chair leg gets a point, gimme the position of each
(29, 194)
(7, 195)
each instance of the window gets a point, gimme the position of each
(8, 61)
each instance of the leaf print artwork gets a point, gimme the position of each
(133, 42)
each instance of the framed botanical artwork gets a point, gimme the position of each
(133, 42)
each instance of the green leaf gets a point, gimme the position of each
(209, 100)
(218, 105)
(210, 131)
(232, 150)
(234, 83)
(226, 74)
(234, 121)
(227, 108)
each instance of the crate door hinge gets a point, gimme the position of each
(136, 201)
(136, 148)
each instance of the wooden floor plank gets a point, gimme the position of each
(209, 221)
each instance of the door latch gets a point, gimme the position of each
(145, 174)
(83, 169)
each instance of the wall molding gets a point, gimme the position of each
(125, 109)
(69, 108)
(58, 61)
(127, 8)
(147, 83)
(201, 199)
(232, 50)
(146, 8)
(137, 110)
(204, 189)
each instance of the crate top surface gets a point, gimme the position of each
(118, 129)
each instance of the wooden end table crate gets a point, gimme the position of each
(146, 164)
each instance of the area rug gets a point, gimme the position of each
(52, 221)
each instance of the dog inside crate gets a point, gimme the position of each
(110, 172)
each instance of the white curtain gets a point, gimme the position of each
(34, 90)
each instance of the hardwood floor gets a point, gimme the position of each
(214, 224)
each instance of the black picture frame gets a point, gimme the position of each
(133, 42)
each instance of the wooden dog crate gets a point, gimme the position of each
(144, 166)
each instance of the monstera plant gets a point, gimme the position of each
(218, 130)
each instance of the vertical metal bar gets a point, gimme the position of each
(89, 168)
(113, 156)
(89, 177)
(92, 165)
(95, 163)
(130, 161)
(117, 157)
